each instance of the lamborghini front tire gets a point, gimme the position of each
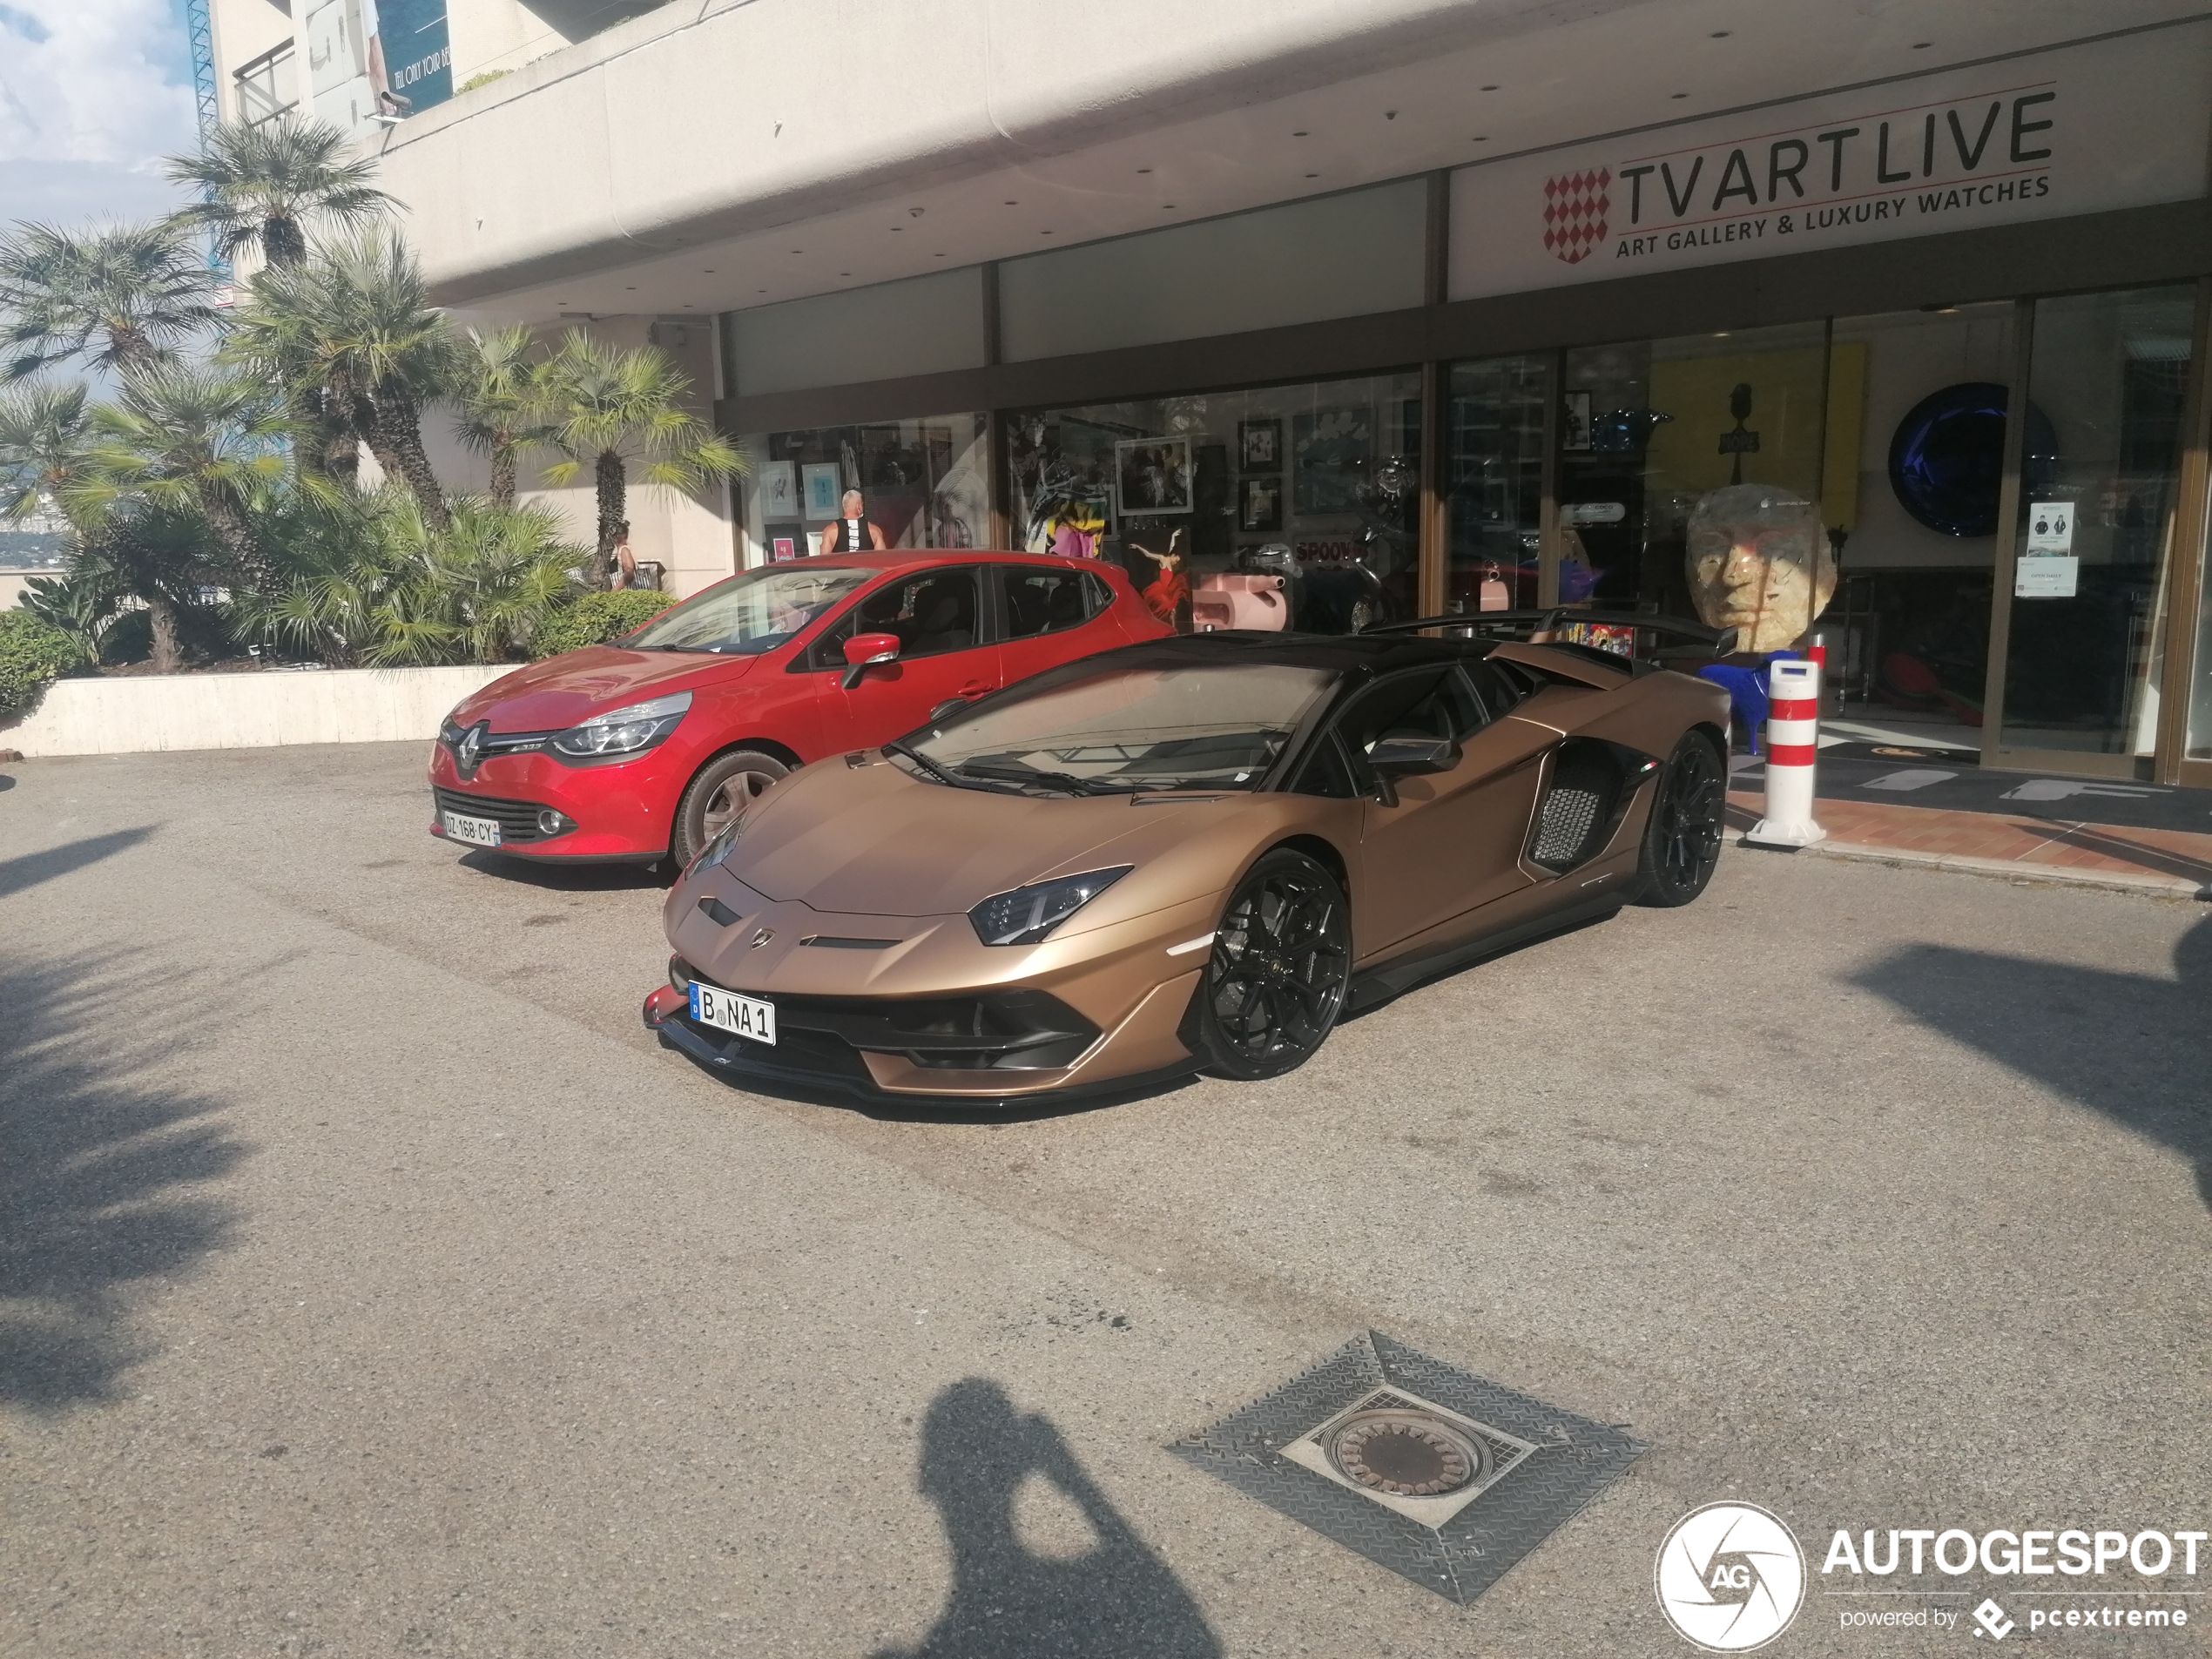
(1280, 966)
(1681, 842)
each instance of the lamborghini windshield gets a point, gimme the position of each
(1115, 727)
(754, 613)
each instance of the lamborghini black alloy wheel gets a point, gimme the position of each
(1282, 959)
(1683, 846)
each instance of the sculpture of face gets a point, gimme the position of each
(1759, 562)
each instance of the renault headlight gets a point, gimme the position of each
(1026, 915)
(625, 732)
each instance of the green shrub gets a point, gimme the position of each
(596, 616)
(31, 653)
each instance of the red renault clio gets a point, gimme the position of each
(642, 749)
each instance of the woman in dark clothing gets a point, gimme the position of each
(855, 532)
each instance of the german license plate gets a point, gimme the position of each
(477, 832)
(743, 1016)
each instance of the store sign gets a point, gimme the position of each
(2047, 568)
(2083, 129)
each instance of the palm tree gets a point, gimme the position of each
(262, 185)
(384, 587)
(187, 437)
(351, 334)
(155, 555)
(124, 298)
(605, 406)
(496, 404)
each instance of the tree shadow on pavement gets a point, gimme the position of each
(2134, 1047)
(29, 869)
(98, 1158)
(1114, 1600)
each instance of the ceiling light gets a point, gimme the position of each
(1014, 204)
(1313, 175)
(1489, 89)
(1678, 95)
(1922, 45)
(1482, 137)
(845, 274)
(1298, 135)
(1044, 232)
(1145, 170)
(1167, 207)
(1718, 34)
(1389, 115)
(915, 212)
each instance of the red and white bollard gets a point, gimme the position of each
(1793, 747)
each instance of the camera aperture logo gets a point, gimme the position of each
(1730, 1577)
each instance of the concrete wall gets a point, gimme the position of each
(253, 711)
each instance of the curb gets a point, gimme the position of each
(2158, 886)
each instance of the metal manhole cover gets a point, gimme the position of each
(1442, 1476)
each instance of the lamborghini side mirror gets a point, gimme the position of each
(1406, 756)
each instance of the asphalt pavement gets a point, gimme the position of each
(375, 1284)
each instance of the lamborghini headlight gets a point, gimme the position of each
(625, 731)
(712, 855)
(1026, 915)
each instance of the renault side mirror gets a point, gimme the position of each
(863, 652)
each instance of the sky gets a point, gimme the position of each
(92, 94)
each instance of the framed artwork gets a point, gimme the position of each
(1259, 446)
(783, 546)
(1152, 475)
(1330, 450)
(825, 485)
(1575, 422)
(779, 486)
(1260, 505)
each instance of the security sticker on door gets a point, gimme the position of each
(2047, 568)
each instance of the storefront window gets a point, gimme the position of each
(922, 483)
(1318, 485)
(1715, 436)
(1494, 480)
(2107, 377)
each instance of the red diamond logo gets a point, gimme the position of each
(1575, 210)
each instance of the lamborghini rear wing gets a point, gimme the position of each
(1549, 628)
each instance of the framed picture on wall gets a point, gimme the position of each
(1330, 452)
(1260, 505)
(1575, 422)
(784, 542)
(1259, 446)
(824, 484)
(1152, 475)
(779, 486)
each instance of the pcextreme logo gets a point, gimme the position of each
(1730, 1577)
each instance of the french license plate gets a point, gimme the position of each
(477, 832)
(743, 1016)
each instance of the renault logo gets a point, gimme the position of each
(470, 748)
(763, 937)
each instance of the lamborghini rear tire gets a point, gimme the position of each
(1281, 964)
(1682, 843)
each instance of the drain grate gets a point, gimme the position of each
(1442, 1476)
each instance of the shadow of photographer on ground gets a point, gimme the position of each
(1115, 1600)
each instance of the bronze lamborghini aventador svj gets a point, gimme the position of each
(1187, 855)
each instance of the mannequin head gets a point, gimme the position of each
(1759, 562)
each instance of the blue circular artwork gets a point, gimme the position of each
(1947, 460)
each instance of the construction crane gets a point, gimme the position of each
(199, 29)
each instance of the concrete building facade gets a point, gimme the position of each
(1437, 306)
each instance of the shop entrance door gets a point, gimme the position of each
(2091, 487)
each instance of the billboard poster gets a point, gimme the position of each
(412, 57)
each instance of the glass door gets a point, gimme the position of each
(2081, 605)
